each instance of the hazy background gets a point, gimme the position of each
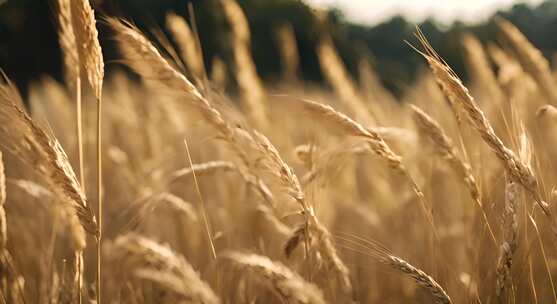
(29, 49)
(443, 11)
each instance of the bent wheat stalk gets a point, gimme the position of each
(144, 58)
(454, 90)
(158, 263)
(42, 151)
(275, 165)
(530, 57)
(375, 141)
(187, 45)
(250, 85)
(291, 287)
(377, 251)
(446, 148)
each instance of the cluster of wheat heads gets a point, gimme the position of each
(290, 195)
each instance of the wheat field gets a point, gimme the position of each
(204, 184)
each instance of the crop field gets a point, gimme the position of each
(186, 183)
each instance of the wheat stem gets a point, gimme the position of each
(99, 197)
(203, 210)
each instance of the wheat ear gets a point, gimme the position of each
(187, 45)
(373, 138)
(510, 243)
(250, 85)
(530, 57)
(381, 254)
(68, 44)
(337, 76)
(420, 277)
(158, 263)
(454, 90)
(142, 57)
(275, 165)
(34, 146)
(447, 149)
(92, 64)
(291, 287)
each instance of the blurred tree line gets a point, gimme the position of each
(29, 44)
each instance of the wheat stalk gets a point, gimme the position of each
(510, 243)
(373, 138)
(88, 47)
(275, 165)
(146, 205)
(34, 146)
(446, 148)
(153, 261)
(68, 44)
(480, 69)
(251, 88)
(337, 76)
(383, 255)
(202, 169)
(288, 50)
(187, 45)
(454, 89)
(420, 277)
(290, 286)
(66, 39)
(530, 57)
(218, 73)
(211, 167)
(145, 59)
(351, 127)
(92, 64)
(3, 223)
(44, 152)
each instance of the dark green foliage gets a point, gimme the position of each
(28, 42)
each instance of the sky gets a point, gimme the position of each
(445, 11)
